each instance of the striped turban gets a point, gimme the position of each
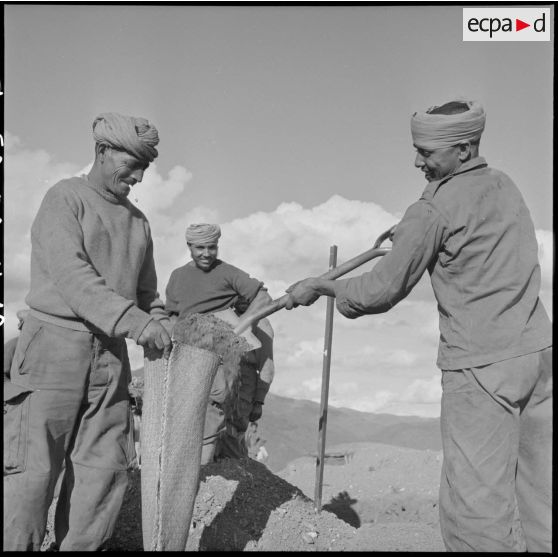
(438, 131)
(134, 135)
(203, 233)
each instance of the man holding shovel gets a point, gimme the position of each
(473, 233)
(93, 284)
(206, 285)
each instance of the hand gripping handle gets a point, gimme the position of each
(335, 273)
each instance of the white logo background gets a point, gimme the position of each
(491, 24)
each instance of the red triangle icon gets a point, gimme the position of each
(519, 25)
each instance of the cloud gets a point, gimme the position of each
(292, 242)
(306, 352)
(421, 397)
(423, 391)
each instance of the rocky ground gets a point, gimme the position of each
(376, 498)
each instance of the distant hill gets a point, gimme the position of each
(290, 427)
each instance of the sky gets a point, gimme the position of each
(289, 126)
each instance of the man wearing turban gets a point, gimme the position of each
(93, 284)
(473, 233)
(208, 285)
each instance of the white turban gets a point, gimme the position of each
(134, 135)
(437, 131)
(203, 233)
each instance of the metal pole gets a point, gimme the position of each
(325, 390)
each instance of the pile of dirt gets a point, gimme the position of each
(376, 498)
(242, 505)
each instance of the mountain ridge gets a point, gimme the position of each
(290, 428)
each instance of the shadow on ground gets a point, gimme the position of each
(341, 506)
(233, 505)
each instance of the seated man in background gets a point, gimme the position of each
(206, 285)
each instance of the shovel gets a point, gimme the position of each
(279, 303)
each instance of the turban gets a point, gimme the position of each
(437, 131)
(134, 135)
(203, 233)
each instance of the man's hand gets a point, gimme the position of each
(302, 293)
(155, 336)
(256, 413)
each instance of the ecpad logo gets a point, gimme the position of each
(506, 24)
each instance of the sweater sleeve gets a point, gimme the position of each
(58, 235)
(417, 240)
(245, 286)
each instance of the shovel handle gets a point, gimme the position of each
(335, 273)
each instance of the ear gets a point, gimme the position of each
(101, 151)
(464, 151)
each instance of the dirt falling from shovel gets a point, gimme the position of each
(206, 331)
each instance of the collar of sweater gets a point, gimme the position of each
(104, 192)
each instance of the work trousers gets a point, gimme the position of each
(67, 402)
(224, 435)
(497, 442)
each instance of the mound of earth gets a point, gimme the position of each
(376, 498)
(242, 506)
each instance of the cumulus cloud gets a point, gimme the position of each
(421, 397)
(306, 352)
(293, 242)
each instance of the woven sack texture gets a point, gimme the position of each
(175, 401)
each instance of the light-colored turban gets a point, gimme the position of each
(134, 135)
(203, 233)
(437, 131)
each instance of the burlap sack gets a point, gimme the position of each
(175, 399)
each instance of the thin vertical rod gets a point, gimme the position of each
(322, 425)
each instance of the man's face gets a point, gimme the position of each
(122, 171)
(204, 255)
(438, 163)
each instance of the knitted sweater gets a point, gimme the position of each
(92, 263)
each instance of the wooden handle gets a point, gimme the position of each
(335, 273)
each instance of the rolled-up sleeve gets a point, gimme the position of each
(416, 242)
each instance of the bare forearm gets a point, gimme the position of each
(260, 300)
(325, 287)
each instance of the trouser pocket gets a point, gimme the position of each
(16, 427)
